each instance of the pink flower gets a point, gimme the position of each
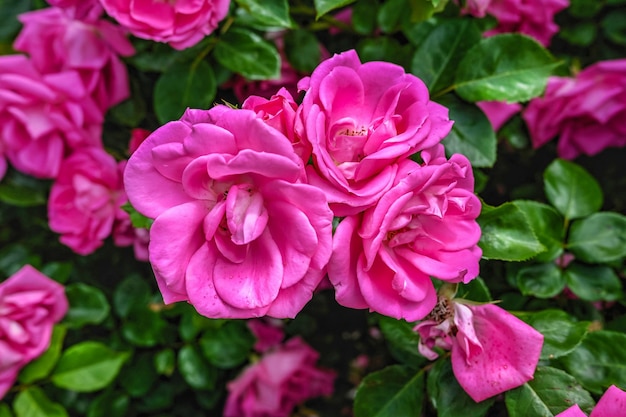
(44, 116)
(137, 136)
(181, 23)
(91, 48)
(477, 8)
(79, 9)
(236, 233)
(492, 350)
(361, 120)
(424, 225)
(498, 112)
(586, 112)
(612, 404)
(282, 379)
(85, 199)
(30, 305)
(268, 333)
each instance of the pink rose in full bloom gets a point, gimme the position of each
(586, 112)
(89, 47)
(43, 117)
(361, 120)
(180, 23)
(424, 225)
(30, 305)
(492, 350)
(85, 199)
(612, 404)
(282, 379)
(498, 112)
(236, 232)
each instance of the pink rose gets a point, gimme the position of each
(91, 48)
(30, 305)
(236, 233)
(137, 136)
(361, 120)
(268, 333)
(424, 225)
(85, 199)
(477, 8)
(282, 379)
(492, 350)
(79, 9)
(586, 112)
(612, 404)
(44, 116)
(498, 112)
(181, 23)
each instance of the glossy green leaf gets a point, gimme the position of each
(139, 375)
(195, 369)
(599, 361)
(571, 189)
(594, 282)
(324, 6)
(246, 53)
(598, 238)
(88, 305)
(392, 392)
(582, 34)
(562, 333)
(302, 50)
(402, 341)
(21, 195)
(548, 225)
(271, 12)
(437, 57)
(42, 366)
(144, 327)
(506, 234)
(137, 219)
(508, 67)
(614, 26)
(227, 346)
(181, 86)
(471, 134)
(448, 397)
(364, 16)
(88, 366)
(132, 293)
(550, 392)
(109, 404)
(165, 362)
(58, 271)
(541, 280)
(475, 290)
(381, 48)
(33, 402)
(584, 8)
(391, 15)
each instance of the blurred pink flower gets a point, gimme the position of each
(44, 116)
(586, 112)
(612, 404)
(498, 112)
(477, 8)
(89, 47)
(137, 136)
(267, 332)
(492, 350)
(181, 23)
(361, 120)
(30, 305)
(236, 233)
(424, 225)
(282, 379)
(85, 199)
(79, 9)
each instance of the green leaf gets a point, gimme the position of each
(181, 86)
(195, 369)
(599, 361)
(21, 195)
(471, 134)
(448, 397)
(614, 26)
(139, 375)
(550, 392)
(364, 16)
(302, 50)
(5, 411)
(33, 402)
(392, 392)
(58, 271)
(508, 67)
(132, 293)
(88, 305)
(402, 341)
(227, 346)
(88, 366)
(324, 6)
(584, 8)
(561, 332)
(165, 362)
(40, 368)
(475, 290)
(144, 327)
(582, 34)
(571, 189)
(548, 225)
(598, 238)
(541, 280)
(381, 48)
(137, 219)
(506, 234)
(437, 57)
(244, 52)
(9, 11)
(109, 404)
(271, 12)
(391, 15)
(593, 282)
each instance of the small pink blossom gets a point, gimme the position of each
(30, 305)
(492, 350)
(611, 404)
(424, 225)
(281, 380)
(85, 199)
(498, 112)
(586, 112)
(268, 333)
(236, 231)
(477, 8)
(361, 120)
(181, 23)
